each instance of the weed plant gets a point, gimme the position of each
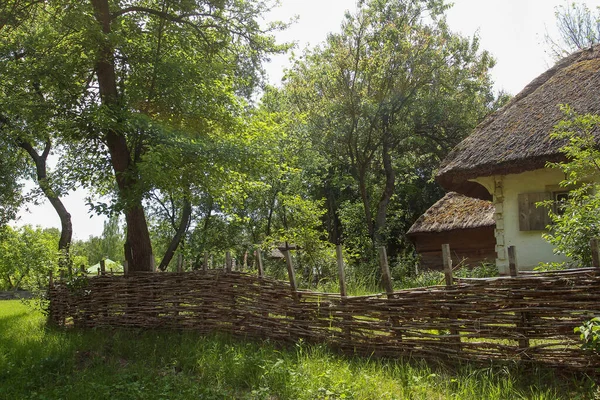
(37, 362)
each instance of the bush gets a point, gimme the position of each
(589, 333)
(576, 220)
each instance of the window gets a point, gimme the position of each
(532, 218)
(560, 199)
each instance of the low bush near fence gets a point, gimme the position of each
(530, 318)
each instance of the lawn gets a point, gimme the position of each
(37, 362)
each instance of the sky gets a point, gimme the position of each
(511, 30)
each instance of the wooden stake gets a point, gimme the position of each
(261, 272)
(595, 255)
(205, 264)
(102, 267)
(290, 268)
(385, 272)
(447, 260)
(512, 261)
(341, 275)
(180, 262)
(125, 267)
(228, 261)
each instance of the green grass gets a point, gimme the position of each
(41, 363)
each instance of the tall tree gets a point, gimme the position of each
(152, 69)
(378, 96)
(38, 95)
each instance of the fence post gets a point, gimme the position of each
(102, 267)
(228, 261)
(179, 262)
(385, 272)
(386, 279)
(341, 275)
(512, 261)
(595, 255)
(447, 260)
(261, 272)
(290, 268)
(522, 316)
(205, 263)
(125, 267)
(343, 294)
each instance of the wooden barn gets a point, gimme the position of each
(466, 223)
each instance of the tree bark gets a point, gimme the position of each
(364, 195)
(66, 231)
(186, 215)
(138, 245)
(388, 190)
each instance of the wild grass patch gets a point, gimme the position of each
(37, 362)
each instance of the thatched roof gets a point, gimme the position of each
(515, 138)
(455, 211)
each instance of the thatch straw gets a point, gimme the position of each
(455, 211)
(516, 138)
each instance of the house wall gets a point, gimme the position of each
(531, 248)
(467, 246)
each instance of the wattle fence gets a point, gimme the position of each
(529, 318)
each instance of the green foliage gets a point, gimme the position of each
(482, 270)
(576, 220)
(27, 256)
(550, 266)
(39, 363)
(381, 101)
(589, 333)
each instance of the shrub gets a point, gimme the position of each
(589, 333)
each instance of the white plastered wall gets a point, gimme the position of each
(531, 247)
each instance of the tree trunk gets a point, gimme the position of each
(138, 245)
(388, 191)
(66, 231)
(186, 215)
(364, 195)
